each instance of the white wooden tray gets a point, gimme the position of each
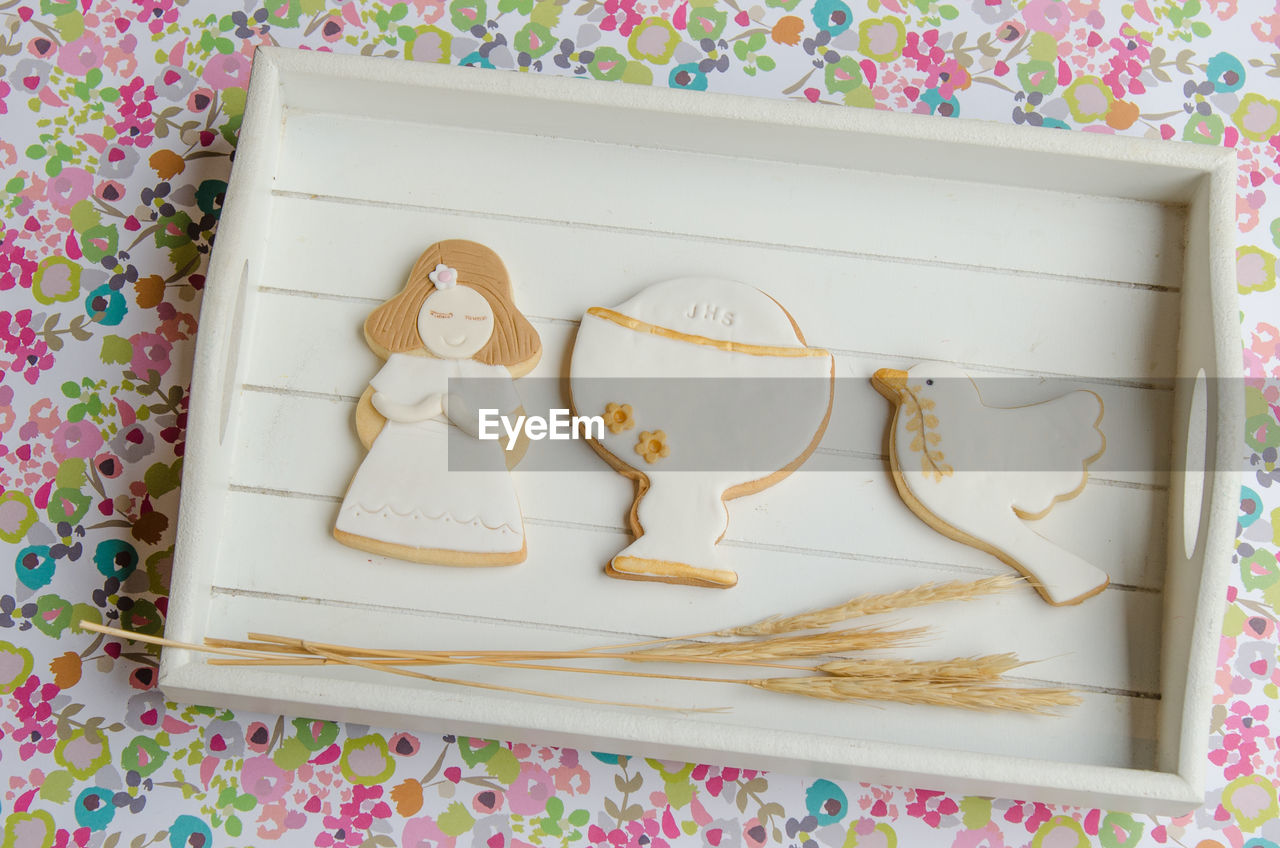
(891, 239)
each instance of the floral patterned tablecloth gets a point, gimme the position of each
(117, 121)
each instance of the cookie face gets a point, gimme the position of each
(977, 473)
(455, 323)
(708, 392)
(455, 318)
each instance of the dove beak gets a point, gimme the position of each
(889, 382)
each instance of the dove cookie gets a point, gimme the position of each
(429, 490)
(977, 473)
(709, 392)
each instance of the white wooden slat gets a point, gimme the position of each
(1106, 729)
(308, 445)
(966, 315)
(319, 348)
(851, 209)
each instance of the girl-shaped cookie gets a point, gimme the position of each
(454, 319)
(708, 392)
(976, 472)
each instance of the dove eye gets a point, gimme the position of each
(928, 382)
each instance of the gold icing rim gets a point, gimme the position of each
(690, 338)
(644, 568)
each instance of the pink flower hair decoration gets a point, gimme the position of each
(444, 277)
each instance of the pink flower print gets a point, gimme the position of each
(931, 806)
(923, 47)
(1032, 815)
(29, 354)
(4, 92)
(82, 55)
(1131, 54)
(948, 77)
(1267, 28)
(157, 14)
(118, 162)
(200, 99)
(42, 418)
(110, 191)
(1088, 11)
(573, 780)
(16, 267)
(429, 11)
(122, 58)
(620, 15)
(42, 47)
(1242, 718)
(421, 833)
(1244, 730)
(355, 816)
(71, 186)
(335, 26)
(150, 353)
(1051, 16)
(754, 834)
(229, 70)
(174, 84)
(136, 123)
(36, 730)
(529, 793)
(7, 415)
(645, 832)
(988, 836)
(331, 29)
(30, 75)
(78, 439)
(264, 780)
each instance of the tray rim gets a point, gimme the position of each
(183, 675)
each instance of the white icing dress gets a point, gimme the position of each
(405, 495)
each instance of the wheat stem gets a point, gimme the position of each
(926, 593)
(961, 694)
(990, 667)
(789, 647)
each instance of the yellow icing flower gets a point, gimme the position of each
(618, 417)
(653, 445)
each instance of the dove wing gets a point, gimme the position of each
(1052, 443)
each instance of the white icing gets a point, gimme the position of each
(716, 309)
(733, 429)
(455, 322)
(429, 407)
(404, 492)
(999, 464)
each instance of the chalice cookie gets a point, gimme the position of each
(708, 392)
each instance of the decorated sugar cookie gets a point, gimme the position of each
(454, 319)
(976, 472)
(708, 392)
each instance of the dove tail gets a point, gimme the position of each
(1061, 577)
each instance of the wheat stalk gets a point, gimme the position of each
(990, 667)
(788, 647)
(348, 660)
(926, 593)
(395, 656)
(961, 694)
(963, 682)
